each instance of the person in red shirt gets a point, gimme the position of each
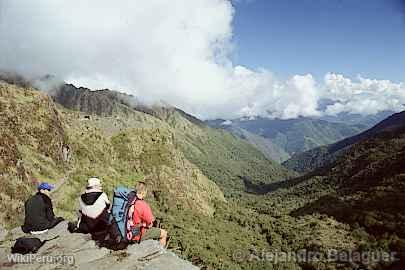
(142, 216)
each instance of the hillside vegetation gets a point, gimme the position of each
(32, 137)
(368, 183)
(121, 148)
(325, 155)
(222, 157)
(215, 193)
(280, 139)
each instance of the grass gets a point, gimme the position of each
(226, 159)
(189, 168)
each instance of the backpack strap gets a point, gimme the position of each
(47, 240)
(132, 228)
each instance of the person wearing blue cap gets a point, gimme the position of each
(39, 215)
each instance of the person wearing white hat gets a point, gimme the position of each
(93, 184)
(94, 210)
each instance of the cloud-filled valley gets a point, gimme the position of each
(177, 52)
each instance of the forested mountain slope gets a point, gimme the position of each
(325, 155)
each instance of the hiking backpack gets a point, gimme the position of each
(25, 245)
(121, 229)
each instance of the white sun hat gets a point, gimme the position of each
(93, 182)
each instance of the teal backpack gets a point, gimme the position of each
(118, 236)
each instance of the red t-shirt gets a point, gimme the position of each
(142, 214)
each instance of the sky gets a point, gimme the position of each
(318, 36)
(216, 58)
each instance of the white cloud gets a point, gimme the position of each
(172, 51)
(226, 123)
(364, 96)
(270, 97)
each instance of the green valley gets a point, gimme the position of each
(224, 203)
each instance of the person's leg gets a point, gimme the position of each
(157, 234)
(100, 230)
(163, 237)
(82, 226)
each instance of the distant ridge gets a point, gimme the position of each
(324, 155)
(279, 139)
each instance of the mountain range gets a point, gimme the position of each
(280, 139)
(213, 190)
(324, 155)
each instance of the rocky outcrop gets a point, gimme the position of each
(100, 102)
(78, 251)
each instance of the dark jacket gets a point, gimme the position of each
(39, 214)
(94, 225)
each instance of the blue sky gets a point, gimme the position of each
(351, 37)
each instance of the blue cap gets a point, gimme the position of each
(45, 185)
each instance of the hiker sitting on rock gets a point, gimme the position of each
(39, 215)
(94, 207)
(143, 217)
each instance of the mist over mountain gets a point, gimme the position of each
(366, 120)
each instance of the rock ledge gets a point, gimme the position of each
(78, 251)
